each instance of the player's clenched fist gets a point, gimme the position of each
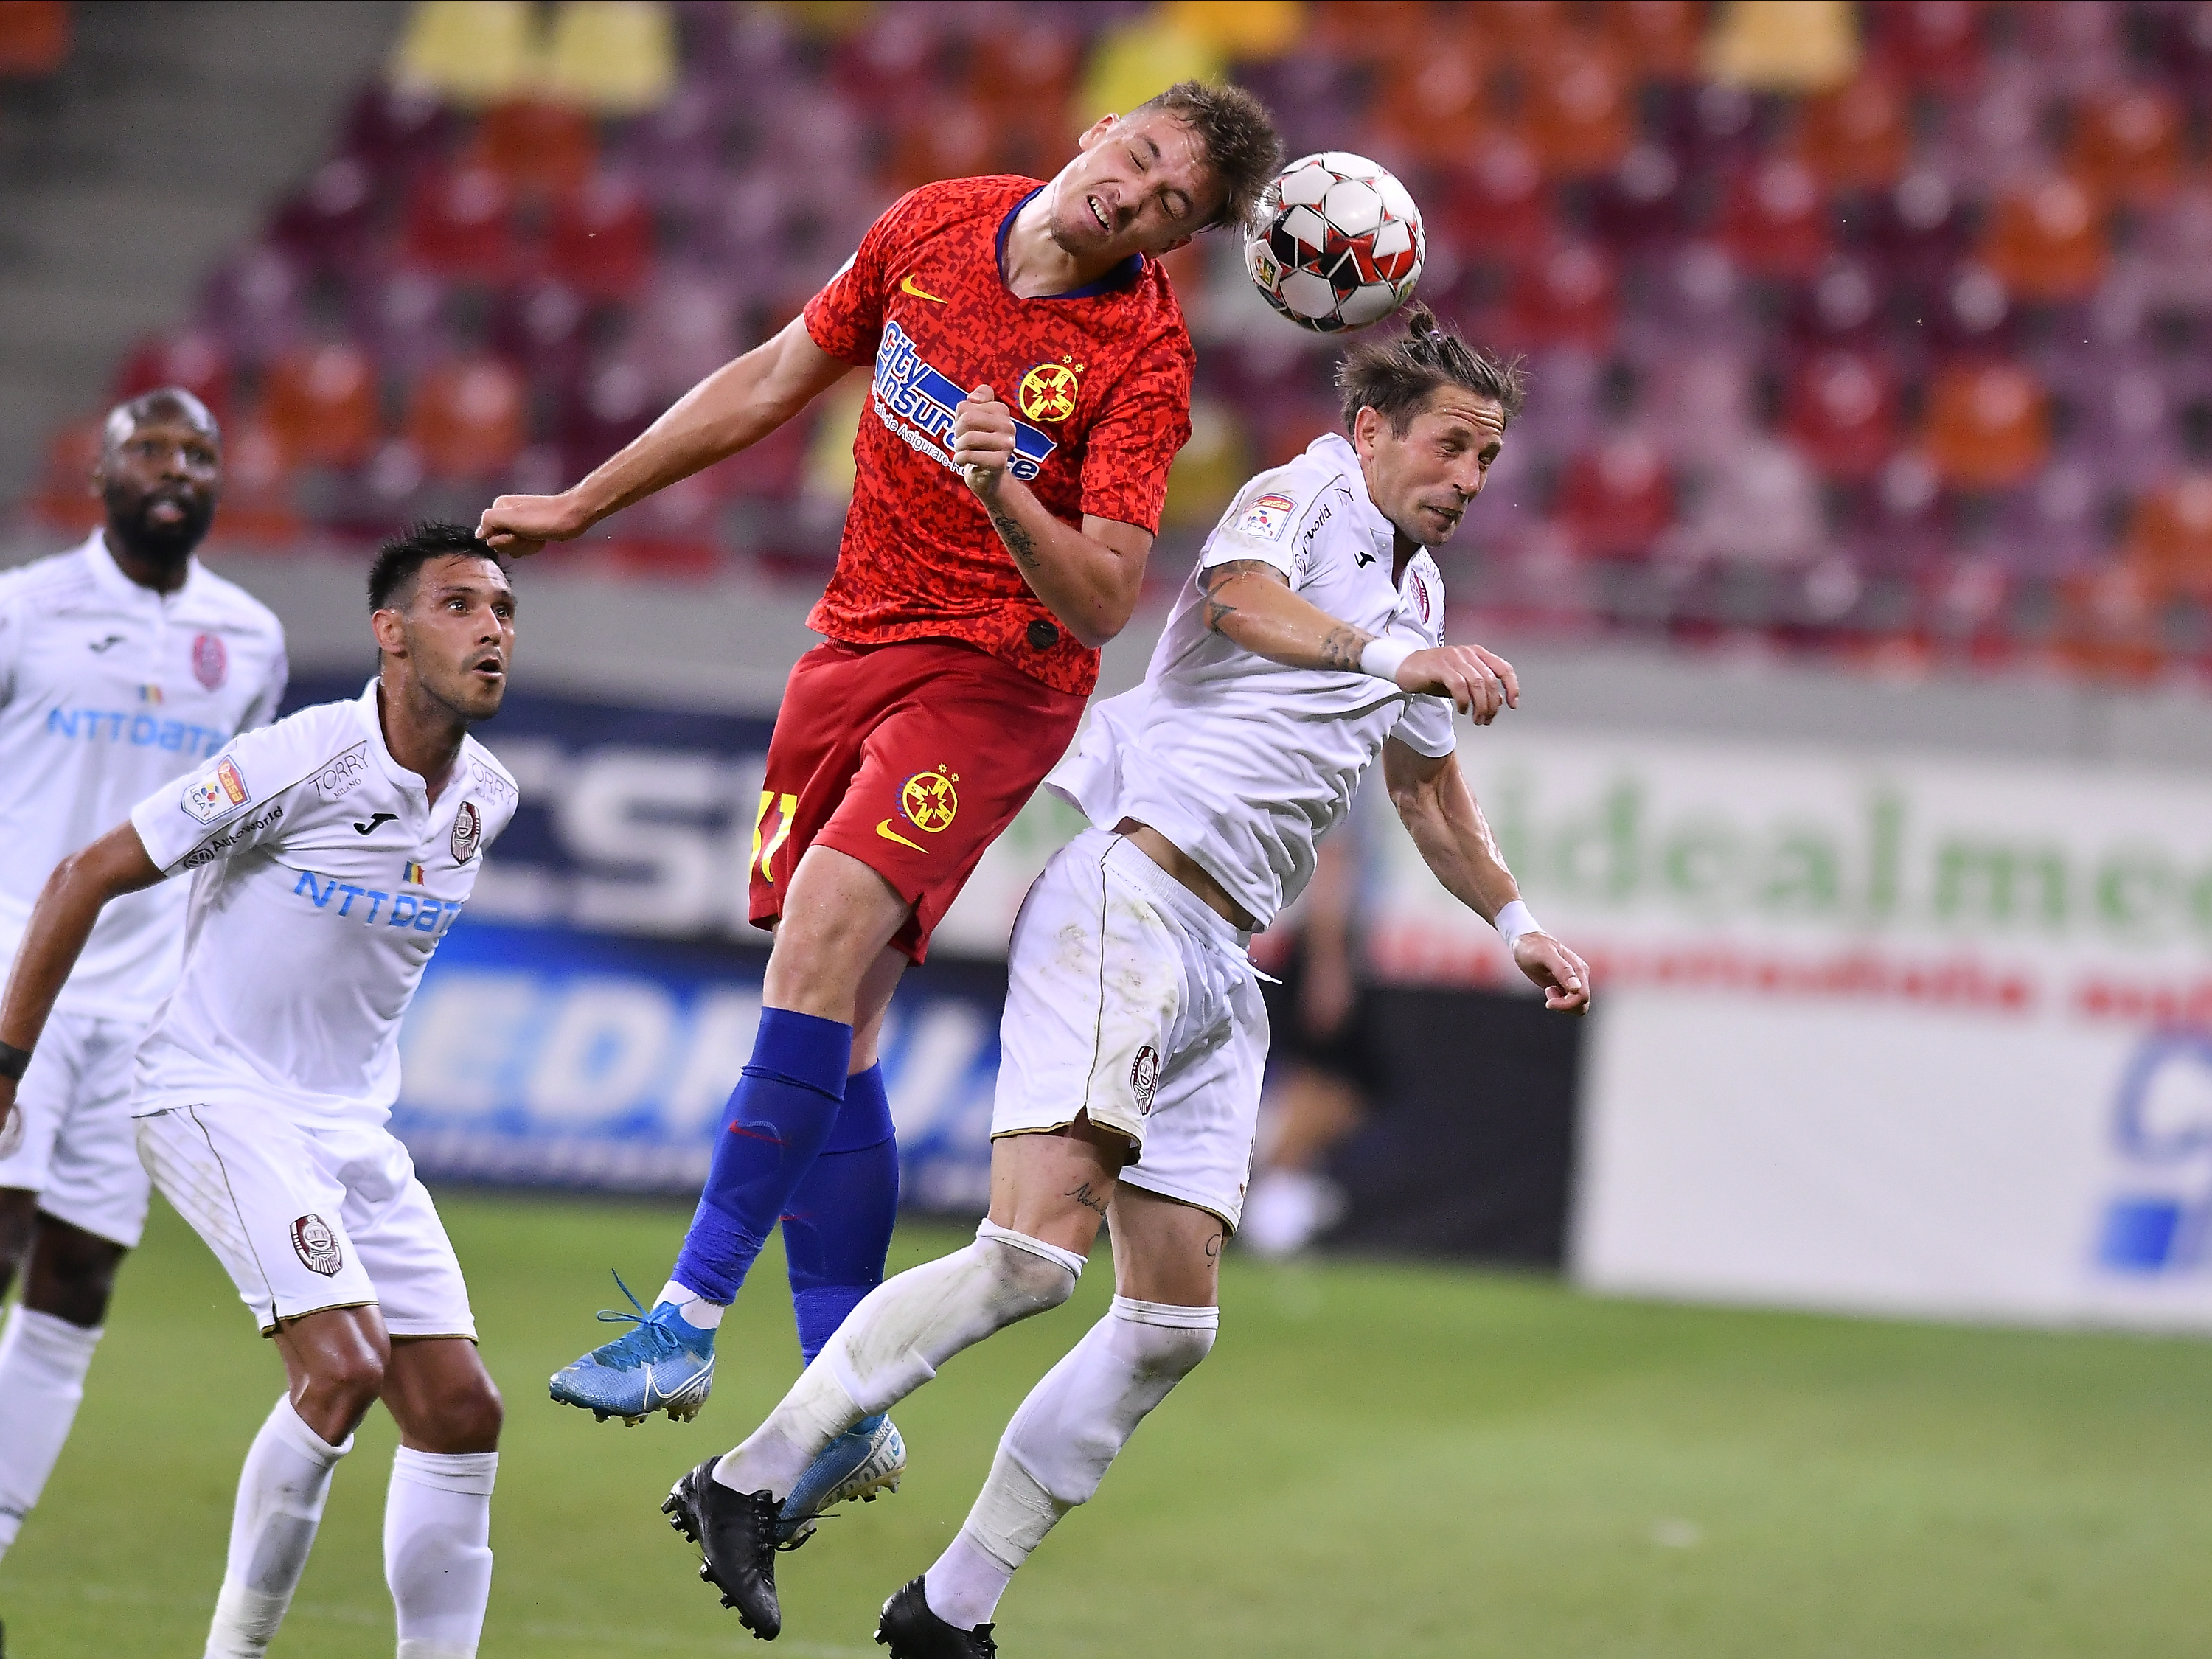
(1479, 683)
(520, 525)
(1563, 975)
(982, 440)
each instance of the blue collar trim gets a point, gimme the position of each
(1120, 276)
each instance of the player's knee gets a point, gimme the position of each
(1024, 1282)
(1163, 1341)
(351, 1377)
(470, 1418)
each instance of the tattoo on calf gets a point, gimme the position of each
(1214, 1246)
(1086, 1198)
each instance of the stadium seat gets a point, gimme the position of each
(681, 330)
(1564, 294)
(256, 508)
(1969, 317)
(1918, 227)
(469, 51)
(1617, 500)
(611, 57)
(1784, 45)
(2169, 536)
(399, 314)
(541, 149)
(327, 224)
(35, 38)
(1209, 470)
(1660, 37)
(1846, 305)
(319, 403)
(460, 224)
(2054, 526)
(1700, 405)
(543, 325)
(466, 418)
(1932, 44)
(395, 130)
(193, 358)
(253, 303)
(1760, 504)
(2173, 249)
(1988, 426)
(1841, 410)
(63, 501)
(1641, 202)
(1858, 137)
(1576, 110)
(615, 402)
(599, 239)
(2109, 623)
(1774, 219)
(1495, 204)
(2045, 241)
(2127, 144)
(1437, 113)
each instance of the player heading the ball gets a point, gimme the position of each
(1308, 643)
(327, 856)
(1029, 383)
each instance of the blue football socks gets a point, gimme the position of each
(786, 1104)
(838, 1226)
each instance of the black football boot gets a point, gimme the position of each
(735, 1532)
(911, 1630)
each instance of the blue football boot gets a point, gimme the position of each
(867, 1459)
(664, 1365)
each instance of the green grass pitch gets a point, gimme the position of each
(1376, 1460)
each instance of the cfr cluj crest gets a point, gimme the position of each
(210, 661)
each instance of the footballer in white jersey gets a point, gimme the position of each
(323, 858)
(124, 664)
(1307, 644)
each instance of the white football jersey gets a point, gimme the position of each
(322, 878)
(1240, 761)
(107, 690)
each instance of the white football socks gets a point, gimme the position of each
(437, 1550)
(893, 1343)
(1055, 1451)
(43, 1360)
(281, 1494)
(693, 1309)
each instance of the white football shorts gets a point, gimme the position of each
(307, 1215)
(71, 1143)
(1130, 1001)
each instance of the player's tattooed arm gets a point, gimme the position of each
(1250, 602)
(1019, 541)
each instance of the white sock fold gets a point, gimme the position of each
(696, 1310)
(1056, 1449)
(893, 1343)
(280, 1493)
(437, 1549)
(43, 1362)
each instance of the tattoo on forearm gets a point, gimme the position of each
(1343, 645)
(1086, 1198)
(1019, 541)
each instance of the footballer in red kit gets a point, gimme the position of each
(1030, 385)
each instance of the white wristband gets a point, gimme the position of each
(1381, 657)
(1514, 920)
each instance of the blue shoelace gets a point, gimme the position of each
(651, 1340)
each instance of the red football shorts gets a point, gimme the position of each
(910, 758)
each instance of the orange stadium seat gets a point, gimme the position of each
(1579, 108)
(1661, 38)
(2045, 240)
(2127, 144)
(461, 224)
(320, 403)
(467, 418)
(34, 38)
(2169, 536)
(1858, 137)
(256, 490)
(1435, 113)
(539, 149)
(1988, 425)
(2109, 623)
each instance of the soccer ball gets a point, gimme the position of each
(1339, 243)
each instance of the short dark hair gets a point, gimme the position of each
(399, 560)
(1239, 136)
(1394, 375)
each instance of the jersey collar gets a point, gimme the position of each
(1120, 278)
(112, 580)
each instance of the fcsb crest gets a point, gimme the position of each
(1048, 391)
(929, 800)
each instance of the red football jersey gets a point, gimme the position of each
(1099, 382)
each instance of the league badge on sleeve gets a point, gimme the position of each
(468, 832)
(1268, 517)
(221, 791)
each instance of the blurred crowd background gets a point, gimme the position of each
(1877, 331)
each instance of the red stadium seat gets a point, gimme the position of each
(326, 225)
(1841, 410)
(194, 360)
(2046, 241)
(1988, 426)
(1774, 219)
(460, 224)
(540, 149)
(1495, 204)
(467, 418)
(1935, 44)
(320, 403)
(1858, 137)
(1577, 109)
(63, 499)
(1661, 38)
(600, 241)
(395, 130)
(1435, 110)
(1565, 294)
(2127, 144)
(34, 38)
(1617, 500)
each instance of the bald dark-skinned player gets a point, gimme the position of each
(124, 664)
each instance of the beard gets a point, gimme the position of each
(129, 516)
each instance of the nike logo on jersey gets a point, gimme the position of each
(885, 830)
(908, 285)
(375, 819)
(99, 646)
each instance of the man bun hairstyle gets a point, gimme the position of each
(1395, 374)
(392, 577)
(1239, 136)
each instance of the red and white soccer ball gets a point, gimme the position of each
(1339, 242)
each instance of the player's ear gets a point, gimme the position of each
(390, 628)
(1365, 426)
(1179, 243)
(1095, 131)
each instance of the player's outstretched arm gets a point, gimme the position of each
(1439, 812)
(60, 923)
(736, 406)
(1251, 602)
(1088, 578)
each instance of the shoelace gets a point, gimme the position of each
(653, 1341)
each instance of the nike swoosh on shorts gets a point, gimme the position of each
(885, 830)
